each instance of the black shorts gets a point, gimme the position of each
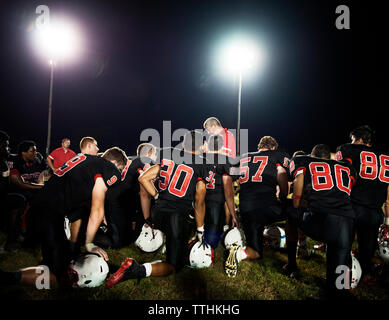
(254, 222)
(172, 220)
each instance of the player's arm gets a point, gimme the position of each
(229, 196)
(145, 201)
(298, 186)
(17, 180)
(386, 208)
(96, 217)
(199, 204)
(146, 179)
(282, 181)
(50, 163)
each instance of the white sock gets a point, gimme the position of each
(148, 268)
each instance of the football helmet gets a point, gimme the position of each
(356, 271)
(383, 243)
(150, 239)
(201, 255)
(236, 236)
(87, 271)
(274, 237)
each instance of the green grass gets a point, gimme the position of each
(256, 280)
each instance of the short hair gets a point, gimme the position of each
(215, 142)
(3, 136)
(144, 149)
(363, 132)
(321, 151)
(116, 154)
(85, 141)
(298, 153)
(65, 139)
(212, 121)
(267, 142)
(193, 140)
(25, 145)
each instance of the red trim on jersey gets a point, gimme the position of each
(199, 179)
(139, 170)
(352, 181)
(98, 175)
(349, 160)
(124, 172)
(13, 172)
(278, 165)
(225, 174)
(298, 169)
(295, 196)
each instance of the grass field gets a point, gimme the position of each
(256, 280)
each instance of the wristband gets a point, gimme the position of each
(156, 196)
(386, 221)
(200, 229)
(295, 196)
(90, 246)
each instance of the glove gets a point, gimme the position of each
(149, 222)
(200, 233)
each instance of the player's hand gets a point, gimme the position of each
(149, 222)
(90, 247)
(235, 222)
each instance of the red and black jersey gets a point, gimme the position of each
(217, 165)
(71, 185)
(372, 168)
(180, 171)
(258, 174)
(327, 183)
(132, 170)
(29, 171)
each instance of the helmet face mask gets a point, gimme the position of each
(150, 239)
(87, 271)
(274, 237)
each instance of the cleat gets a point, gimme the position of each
(290, 271)
(231, 264)
(129, 269)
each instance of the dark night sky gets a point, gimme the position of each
(144, 62)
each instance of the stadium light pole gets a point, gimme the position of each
(239, 56)
(56, 41)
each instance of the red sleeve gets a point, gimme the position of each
(230, 143)
(53, 154)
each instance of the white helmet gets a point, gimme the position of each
(383, 243)
(149, 239)
(274, 237)
(67, 228)
(235, 236)
(356, 271)
(87, 271)
(201, 256)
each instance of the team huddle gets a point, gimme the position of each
(184, 200)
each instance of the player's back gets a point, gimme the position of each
(372, 168)
(258, 171)
(179, 173)
(71, 185)
(327, 183)
(217, 165)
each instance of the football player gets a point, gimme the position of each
(181, 183)
(84, 178)
(371, 191)
(219, 190)
(321, 189)
(261, 172)
(26, 167)
(128, 197)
